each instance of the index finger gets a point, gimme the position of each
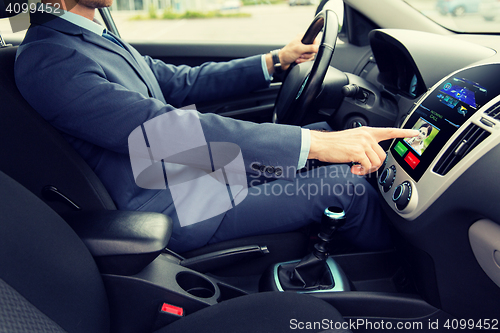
(381, 134)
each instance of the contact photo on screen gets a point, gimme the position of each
(427, 133)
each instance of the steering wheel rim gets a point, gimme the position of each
(303, 82)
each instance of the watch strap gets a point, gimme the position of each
(276, 60)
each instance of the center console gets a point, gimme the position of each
(149, 287)
(456, 120)
(162, 283)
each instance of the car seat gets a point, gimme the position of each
(49, 282)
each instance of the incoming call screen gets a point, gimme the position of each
(442, 113)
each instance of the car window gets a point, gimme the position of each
(462, 15)
(8, 35)
(234, 21)
(15, 33)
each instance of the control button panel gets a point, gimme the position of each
(398, 190)
(408, 156)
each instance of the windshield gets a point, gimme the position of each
(462, 15)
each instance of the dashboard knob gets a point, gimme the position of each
(350, 90)
(386, 179)
(402, 195)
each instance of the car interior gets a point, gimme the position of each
(72, 262)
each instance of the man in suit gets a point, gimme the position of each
(96, 89)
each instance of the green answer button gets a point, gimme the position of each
(400, 148)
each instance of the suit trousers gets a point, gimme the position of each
(276, 206)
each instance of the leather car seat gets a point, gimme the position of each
(49, 282)
(36, 155)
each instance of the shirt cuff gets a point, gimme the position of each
(305, 147)
(264, 69)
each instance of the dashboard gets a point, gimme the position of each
(453, 89)
(455, 119)
(440, 189)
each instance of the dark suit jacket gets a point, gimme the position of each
(96, 93)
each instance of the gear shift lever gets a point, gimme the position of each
(333, 218)
(311, 272)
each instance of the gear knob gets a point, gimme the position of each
(333, 218)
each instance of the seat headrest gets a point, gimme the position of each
(18, 13)
(3, 8)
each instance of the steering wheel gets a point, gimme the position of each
(303, 82)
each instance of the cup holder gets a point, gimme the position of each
(195, 285)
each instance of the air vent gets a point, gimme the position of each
(468, 140)
(494, 111)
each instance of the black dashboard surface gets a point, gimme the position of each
(446, 85)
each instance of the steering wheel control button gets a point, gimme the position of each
(386, 179)
(402, 195)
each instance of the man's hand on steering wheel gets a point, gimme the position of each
(303, 82)
(295, 51)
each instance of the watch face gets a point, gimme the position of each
(276, 58)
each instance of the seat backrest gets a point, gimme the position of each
(37, 156)
(48, 279)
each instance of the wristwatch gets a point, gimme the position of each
(276, 61)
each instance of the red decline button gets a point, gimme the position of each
(412, 160)
(172, 309)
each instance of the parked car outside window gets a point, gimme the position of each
(457, 7)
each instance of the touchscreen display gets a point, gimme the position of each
(442, 113)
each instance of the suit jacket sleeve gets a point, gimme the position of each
(72, 91)
(184, 85)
